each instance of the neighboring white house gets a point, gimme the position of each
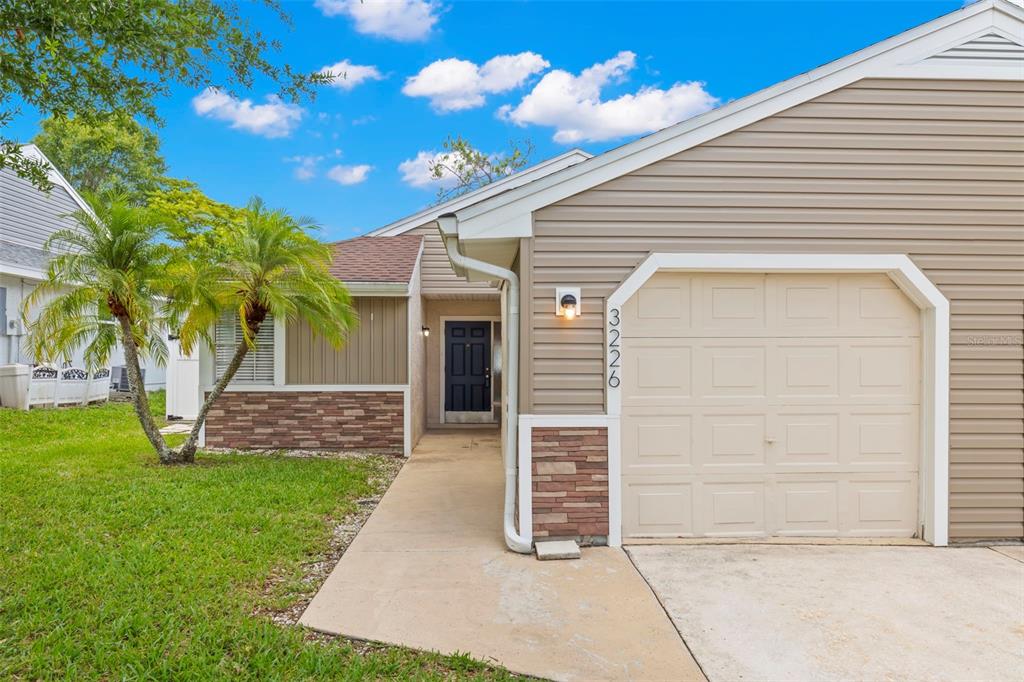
(28, 216)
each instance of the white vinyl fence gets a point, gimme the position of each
(57, 386)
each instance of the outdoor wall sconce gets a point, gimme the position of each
(426, 331)
(567, 302)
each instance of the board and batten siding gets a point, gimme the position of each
(930, 168)
(376, 351)
(436, 274)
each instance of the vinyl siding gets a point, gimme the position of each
(436, 274)
(417, 361)
(933, 169)
(990, 48)
(376, 351)
(29, 216)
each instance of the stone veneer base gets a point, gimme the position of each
(570, 483)
(308, 420)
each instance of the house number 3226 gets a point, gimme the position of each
(614, 347)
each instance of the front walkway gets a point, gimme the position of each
(430, 570)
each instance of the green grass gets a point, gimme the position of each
(114, 567)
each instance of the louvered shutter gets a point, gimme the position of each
(258, 365)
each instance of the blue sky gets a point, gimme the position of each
(337, 159)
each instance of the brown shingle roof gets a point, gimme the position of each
(376, 259)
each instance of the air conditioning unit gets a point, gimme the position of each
(119, 379)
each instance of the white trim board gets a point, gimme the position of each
(312, 388)
(934, 498)
(22, 272)
(529, 422)
(407, 421)
(413, 336)
(33, 152)
(509, 214)
(430, 214)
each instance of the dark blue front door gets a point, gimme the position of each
(467, 366)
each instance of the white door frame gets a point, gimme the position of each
(934, 502)
(444, 338)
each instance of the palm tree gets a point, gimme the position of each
(264, 264)
(103, 288)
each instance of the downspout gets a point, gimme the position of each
(513, 539)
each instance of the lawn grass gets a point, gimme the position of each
(115, 567)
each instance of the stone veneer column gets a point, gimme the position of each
(570, 483)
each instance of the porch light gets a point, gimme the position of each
(426, 331)
(569, 306)
(567, 303)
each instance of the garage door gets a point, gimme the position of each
(770, 404)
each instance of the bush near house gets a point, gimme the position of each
(114, 567)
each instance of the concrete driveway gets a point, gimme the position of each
(429, 570)
(757, 612)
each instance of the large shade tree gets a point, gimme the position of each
(116, 153)
(265, 265)
(113, 153)
(104, 288)
(90, 58)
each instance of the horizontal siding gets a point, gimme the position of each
(29, 216)
(991, 49)
(436, 274)
(376, 352)
(932, 169)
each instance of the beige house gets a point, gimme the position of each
(426, 353)
(800, 314)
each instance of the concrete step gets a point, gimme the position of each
(557, 549)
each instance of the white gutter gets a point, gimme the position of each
(513, 539)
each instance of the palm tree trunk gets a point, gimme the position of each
(187, 453)
(138, 389)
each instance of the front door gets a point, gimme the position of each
(467, 367)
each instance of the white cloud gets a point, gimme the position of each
(273, 119)
(572, 104)
(305, 166)
(404, 20)
(349, 175)
(348, 75)
(456, 84)
(416, 171)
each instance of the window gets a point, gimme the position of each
(258, 365)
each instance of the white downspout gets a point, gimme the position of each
(515, 541)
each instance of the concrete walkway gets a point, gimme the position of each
(430, 570)
(758, 612)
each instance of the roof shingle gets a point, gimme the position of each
(376, 259)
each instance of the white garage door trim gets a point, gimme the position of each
(934, 503)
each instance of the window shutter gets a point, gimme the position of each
(258, 365)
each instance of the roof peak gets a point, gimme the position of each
(904, 55)
(517, 179)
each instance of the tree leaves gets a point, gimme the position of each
(469, 169)
(90, 58)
